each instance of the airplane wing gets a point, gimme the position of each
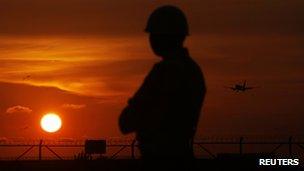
(248, 88)
(244, 84)
(232, 88)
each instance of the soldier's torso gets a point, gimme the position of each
(184, 93)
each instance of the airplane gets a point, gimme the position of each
(240, 87)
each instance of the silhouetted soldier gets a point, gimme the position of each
(164, 111)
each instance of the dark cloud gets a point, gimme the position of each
(82, 17)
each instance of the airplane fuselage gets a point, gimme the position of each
(240, 87)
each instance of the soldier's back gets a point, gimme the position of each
(181, 90)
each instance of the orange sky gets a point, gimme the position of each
(94, 54)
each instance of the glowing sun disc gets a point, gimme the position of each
(50, 122)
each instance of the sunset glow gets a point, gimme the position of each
(50, 122)
(85, 58)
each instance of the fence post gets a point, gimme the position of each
(241, 145)
(133, 149)
(290, 145)
(40, 149)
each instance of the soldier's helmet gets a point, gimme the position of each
(167, 20)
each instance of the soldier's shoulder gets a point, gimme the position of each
(170, 64)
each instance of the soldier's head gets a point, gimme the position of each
(168, 29)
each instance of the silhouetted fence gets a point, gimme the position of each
(200, 146)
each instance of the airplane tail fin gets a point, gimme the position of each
(244, 84)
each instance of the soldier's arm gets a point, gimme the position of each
(135, 114)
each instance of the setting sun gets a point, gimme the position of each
(50, 122)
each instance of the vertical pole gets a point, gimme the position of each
(290, 145)
(132, 149)
(241, 145)
(40, 149)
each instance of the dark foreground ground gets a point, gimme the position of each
(134, 165)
